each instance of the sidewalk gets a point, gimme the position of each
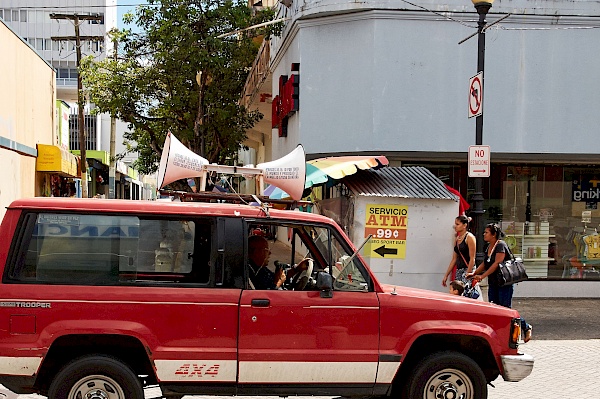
(565, 369)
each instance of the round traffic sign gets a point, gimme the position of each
(475, 96)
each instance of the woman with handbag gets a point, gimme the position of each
(497, 252)
(463, 256)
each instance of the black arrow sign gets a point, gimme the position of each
(383, 251)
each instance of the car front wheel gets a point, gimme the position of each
(446, 375)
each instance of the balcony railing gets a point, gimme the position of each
(259, 72)
(66, 82)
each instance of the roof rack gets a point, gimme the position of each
(206, 196)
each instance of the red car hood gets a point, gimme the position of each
(416, 297)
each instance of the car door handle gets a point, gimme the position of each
(261, 303)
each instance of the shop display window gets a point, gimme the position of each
(551, 220)
(549, 213)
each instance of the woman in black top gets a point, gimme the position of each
(463, 255)
(497, 251)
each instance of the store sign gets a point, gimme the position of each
(287, 102)
(387, 224)
(52, 158)
(586, 190)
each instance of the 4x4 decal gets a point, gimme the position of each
(192, 370)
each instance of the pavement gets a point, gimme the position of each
(565, 345)
(563, 369)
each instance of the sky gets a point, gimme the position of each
(124, 6)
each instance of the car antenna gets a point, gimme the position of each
(359, 248)
(263, 206)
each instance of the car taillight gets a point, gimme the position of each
(515, 333)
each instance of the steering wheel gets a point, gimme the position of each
(299, 280)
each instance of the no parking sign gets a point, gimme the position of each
(479, 161)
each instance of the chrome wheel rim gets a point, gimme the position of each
(449, 384)
(96, 387)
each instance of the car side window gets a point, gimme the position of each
(166, 246)
(288, 244)
(346, 270)
(77, 248)
(114, 249)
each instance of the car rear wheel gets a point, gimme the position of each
(446, 375)
(96, 377)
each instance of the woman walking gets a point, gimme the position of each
(496, 253)
(463, 256)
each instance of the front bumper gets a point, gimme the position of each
(516, 367)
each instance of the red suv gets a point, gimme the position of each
(102, 298)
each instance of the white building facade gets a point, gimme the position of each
(32, 20)
(390, 78)
(27, 121)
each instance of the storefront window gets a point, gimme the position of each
(549, 213)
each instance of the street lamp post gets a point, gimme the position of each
(482, 7)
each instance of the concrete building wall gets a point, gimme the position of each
(27, 116)
(382, 76)
(390, 78)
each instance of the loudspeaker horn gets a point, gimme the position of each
(288, 173)
(178, 162)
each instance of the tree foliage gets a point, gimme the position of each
(177, 76)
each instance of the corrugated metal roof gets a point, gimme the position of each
(404, 182)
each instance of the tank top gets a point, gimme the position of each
(488, 261)
(462, 248)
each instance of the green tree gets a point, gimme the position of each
(177, 76)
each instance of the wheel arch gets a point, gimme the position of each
(475, 347)
(127, 349)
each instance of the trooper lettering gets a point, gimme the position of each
(45, 305)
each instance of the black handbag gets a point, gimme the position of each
(511, 271)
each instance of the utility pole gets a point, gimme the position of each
(113, 133)
(75, 18)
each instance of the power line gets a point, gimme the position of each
(445, 16)
(555, 28)
(80, 6)
(439, 14)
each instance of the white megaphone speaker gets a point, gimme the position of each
(178, 162)
(288, 173)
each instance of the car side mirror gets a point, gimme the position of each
(325, 284)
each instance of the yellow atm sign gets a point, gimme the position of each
(388, 225)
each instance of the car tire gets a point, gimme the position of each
(444, 375)
(110, 377)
